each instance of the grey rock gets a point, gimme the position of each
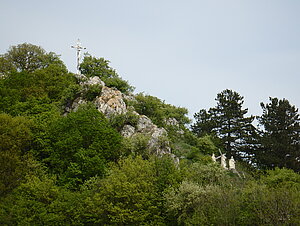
(145, 124)
(110, 102)
(95, 80)
(127, 131)
(77, 102)
(172, 122)
(159, 142)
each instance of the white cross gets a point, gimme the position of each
(79, 48)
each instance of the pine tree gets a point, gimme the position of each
(204, 124)
(228, 122)
(280, 135)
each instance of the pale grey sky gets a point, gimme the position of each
(183, 52)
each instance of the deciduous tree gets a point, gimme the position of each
(92, 66)
(27, 57)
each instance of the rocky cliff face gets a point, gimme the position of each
(112, 102)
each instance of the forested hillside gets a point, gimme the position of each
(85, 150)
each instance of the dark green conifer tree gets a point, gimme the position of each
(280, 135)
(228, 122)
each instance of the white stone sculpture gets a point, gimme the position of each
(78, 48)
(223, 161)
(231, 163)
(213, 157)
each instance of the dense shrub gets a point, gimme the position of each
(118, 121)
(158, 111)
(80, 145)
(92, 66)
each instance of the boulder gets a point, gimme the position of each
(127, 131)
(77, 102)
(95, 80)
(110, 102)
(158, 142)
(145, 125)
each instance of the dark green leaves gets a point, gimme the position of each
(92, 66)
(280, 137)
(228, 122)
(81, 144)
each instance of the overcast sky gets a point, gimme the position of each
(183, 52)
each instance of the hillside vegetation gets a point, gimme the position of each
(84, 150)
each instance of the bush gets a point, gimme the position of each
(91, 92)
(118, 83)
(39, 201)
(118, 121)
(80, 145)
(92, 66)
(194, 204)
(128, 196)
(269, 206)
(137, 145)
(158, 111)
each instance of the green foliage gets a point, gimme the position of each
(209, 195)
(73, 91)
(28, 57)
(69, 94)
(76, 169)
(15, 139)
(228, 122)
(168, 174)
(80, 144)
(32, 78)
(6, 67)
(92, 66)
(38, 201)
(185, 150)
(269, 206)
(118, 121)
(15, 133)
(128, 196)
(91, 92)
(281, 178)
(158, 111)
(280, 137)
(193, 148)
(42, 85)
(119, 83)
(206, 145)
(207, 174)
(194, 204)
(204, 124)
(137, 145)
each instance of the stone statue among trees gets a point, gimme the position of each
(231, 163)
(223, 159)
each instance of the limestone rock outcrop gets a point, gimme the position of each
(111, 102)
(128, 131)
(92, 81)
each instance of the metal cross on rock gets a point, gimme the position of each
(79, 48)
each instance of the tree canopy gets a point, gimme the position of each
(280, 139)
(92, 66)
(228, 122)
(28, 57)
(63, 162)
